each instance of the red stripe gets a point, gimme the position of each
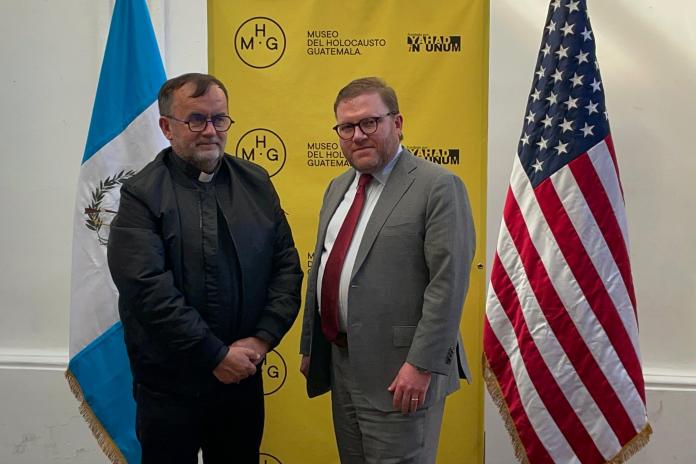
(597, 199)
(543, 380)
(500, 365)
(593, 289)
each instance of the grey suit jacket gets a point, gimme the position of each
(408, 285)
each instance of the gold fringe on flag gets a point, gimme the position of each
(631, 448)
(103, 438)
(497, 396)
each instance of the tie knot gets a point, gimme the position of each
(364, 180)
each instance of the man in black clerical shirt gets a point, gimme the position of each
(209, 281)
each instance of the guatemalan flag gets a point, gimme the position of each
(123, 136)
(561, 352)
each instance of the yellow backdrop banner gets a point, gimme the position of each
(283, 63)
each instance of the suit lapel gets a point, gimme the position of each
(334, 197)
(399, 182)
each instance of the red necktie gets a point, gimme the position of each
(334, 265)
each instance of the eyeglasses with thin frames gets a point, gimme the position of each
(198, 122)
(368, 126)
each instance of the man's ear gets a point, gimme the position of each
(399, 123)
(165, 127)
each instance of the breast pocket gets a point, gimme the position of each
(402, 229)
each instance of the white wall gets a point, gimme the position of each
(51, 54)
(647, 59)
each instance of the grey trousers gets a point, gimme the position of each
(365, 435)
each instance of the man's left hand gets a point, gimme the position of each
(409, 388)
(254, 343)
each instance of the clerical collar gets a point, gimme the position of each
(192, 172)
(205, 177)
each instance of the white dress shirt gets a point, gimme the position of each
(372, 194)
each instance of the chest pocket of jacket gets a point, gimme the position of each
(412, 229)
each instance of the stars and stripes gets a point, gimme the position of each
(561, 333)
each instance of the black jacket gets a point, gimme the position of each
(170, 345)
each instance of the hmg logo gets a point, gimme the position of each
(275, 371)
(263, 147)
(259, 42)
(265, 458)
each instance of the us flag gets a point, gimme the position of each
(561, 352)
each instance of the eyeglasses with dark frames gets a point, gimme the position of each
(198, 122)
(368, 126)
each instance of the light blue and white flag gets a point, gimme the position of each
(123, 136)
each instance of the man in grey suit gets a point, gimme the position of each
(385, 293)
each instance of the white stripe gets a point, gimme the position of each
(93, 306)
(574, 300)
(543, 424)
(604, 165)
(554, 356)
(592, 239)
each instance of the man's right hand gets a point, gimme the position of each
(304, 365)
(237, 365)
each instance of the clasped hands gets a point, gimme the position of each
(241, 360)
